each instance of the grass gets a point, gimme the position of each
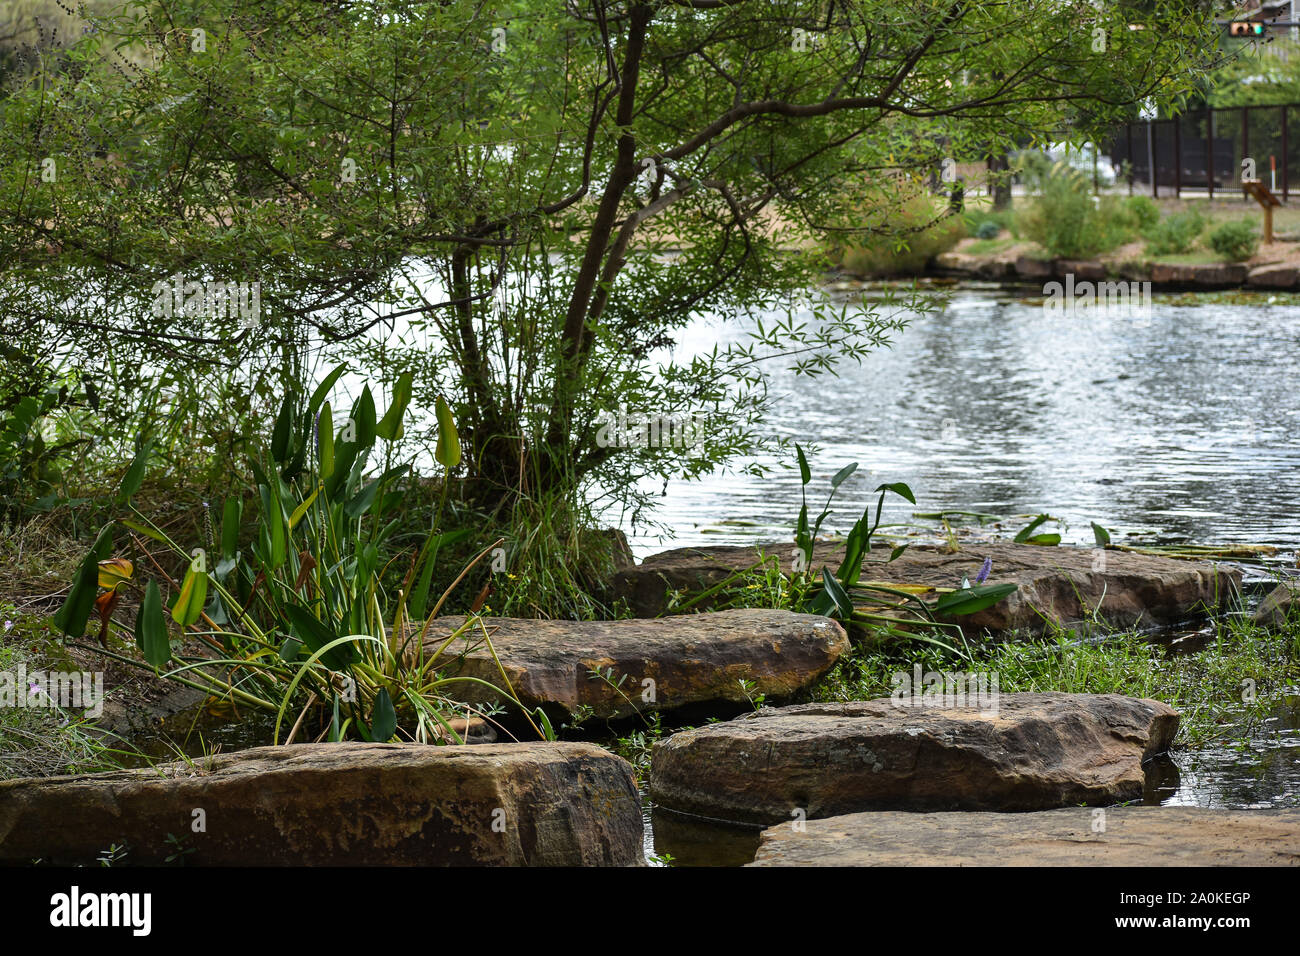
(41, 741)
(1197, 257)
(1206, 685)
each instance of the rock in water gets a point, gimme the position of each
(1033, 752)
(354, 804)
(1077, 836)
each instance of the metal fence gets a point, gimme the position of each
(1203, 151)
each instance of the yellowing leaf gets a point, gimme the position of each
(114, 573)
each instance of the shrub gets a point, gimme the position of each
(1235, 240)
(1174, 234)
(988, 229)
(934, 233)
(1143, 210)
(1066, 219)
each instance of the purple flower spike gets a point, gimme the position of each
(985, 568)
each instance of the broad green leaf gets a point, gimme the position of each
(316, 634)
(447, 451)
(390, 427)
(1029, 529)
(970, 600)
(805, 475)
(134, 476)
(900, 489)
(230, 515)
(151, 635)
(363, 414)
(274, 519)
(361, 502)
(72, 616)
(837, 595)
(843, 474)
(325, 440)
(383, 719)
(1101, 535)
(283, 431)
(194, 594)
(323, 389)
(144, 530)
(301, 510)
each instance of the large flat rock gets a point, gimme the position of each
(1077, 836)
(1029, 752)
(1055, 585)
(658, 664)
(531, 804)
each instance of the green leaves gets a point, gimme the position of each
(842, 474)
(969, 600)
(390, 426)
(193, 595)
(839, 598)
(447, 452)
(383, 718)
(72, 616)
(1100, 535)
(325, 441)
(134, 476)
(317, 634)
(1027, 536)
(323, 389)
(151, 635)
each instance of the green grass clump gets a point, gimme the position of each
(1175, 234)
(1236, 241)
(1206, 686)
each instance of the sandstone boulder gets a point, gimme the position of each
(1274, 610)
(1031, 752)
(355, 804)
(1276, 276)
(1056, 585)
(1118, 836)
(657, 664)
(1211, 275)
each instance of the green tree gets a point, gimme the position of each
(540, 196)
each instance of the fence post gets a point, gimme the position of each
(1286, 158)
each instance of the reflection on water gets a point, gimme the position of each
(1261, 770)
(1185, 426)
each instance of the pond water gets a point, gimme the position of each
(1183, 426)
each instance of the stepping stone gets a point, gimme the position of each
(1276, 607)
(344, 804)
(1132, 836)
(1056, 585)
(662, 663)
(1020, 752)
